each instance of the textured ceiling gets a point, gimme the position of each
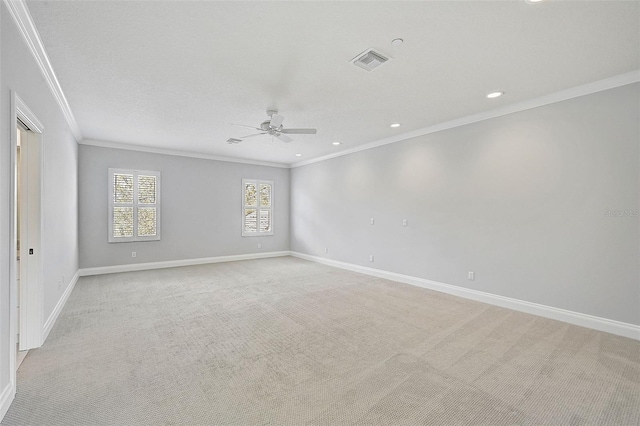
(175, 74)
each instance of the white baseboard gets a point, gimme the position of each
(6, 398)
(584, 320)
(175, 263)
(48, 325)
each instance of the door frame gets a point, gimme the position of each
(31, 303)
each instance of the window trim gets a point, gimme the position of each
(258, 208)
(135, 205)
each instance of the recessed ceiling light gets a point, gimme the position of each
(337, 143)
(495, 95)
(298, 155)
(532, 1)
(395, 125)
(397, 42)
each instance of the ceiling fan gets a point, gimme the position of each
(273, 127)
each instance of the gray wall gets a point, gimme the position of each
(19, 72)
(201, 208)
(521, 200)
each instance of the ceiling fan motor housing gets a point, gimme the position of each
(267, 127)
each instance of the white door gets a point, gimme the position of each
(28, 230)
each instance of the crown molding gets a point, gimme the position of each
(563, 95)
(139, 148)
(21, 16)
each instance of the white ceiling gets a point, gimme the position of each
(175, 74)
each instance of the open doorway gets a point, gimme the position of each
(26, 230)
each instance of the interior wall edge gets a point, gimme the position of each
(619, 328)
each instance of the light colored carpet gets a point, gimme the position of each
(288, 342)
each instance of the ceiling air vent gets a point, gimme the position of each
(369, 59)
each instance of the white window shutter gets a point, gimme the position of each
(257, 207)
(134, 205)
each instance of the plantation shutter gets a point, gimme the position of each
(134, 205)
(257, 207)
(123, 206)
(147, 206)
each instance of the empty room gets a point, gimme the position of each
(319, 212)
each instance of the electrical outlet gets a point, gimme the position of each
(372, 221)
(404, 222)
(133, 254)
(326, 250)
(370, 258)
(472, 275)
(59, 285)
(259, 245)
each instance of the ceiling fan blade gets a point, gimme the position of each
(255, 134)
(276, 121)
(244, 125)
(299, 131)
(284, 138)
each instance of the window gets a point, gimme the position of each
(134, 205)
(257, 207)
